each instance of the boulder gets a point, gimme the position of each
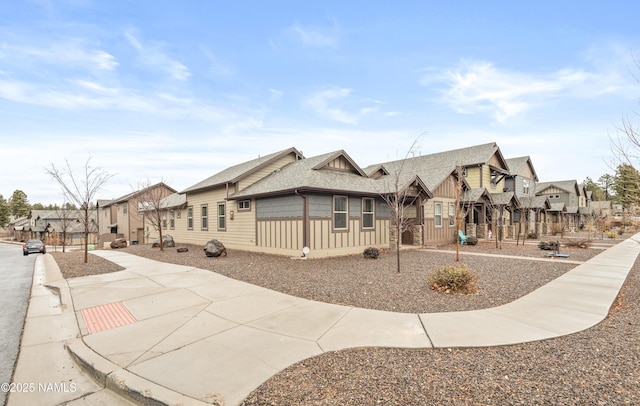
(119, 243)
(183, 249)
(214, 248)
(167, 242)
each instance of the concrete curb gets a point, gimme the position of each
(122, 382)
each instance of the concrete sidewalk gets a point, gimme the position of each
(180, 335)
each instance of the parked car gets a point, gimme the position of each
(33, 246)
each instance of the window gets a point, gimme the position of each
(525, 186)
(221, 216)
(340, 212)
(190, 218)
(164, 223)
(438, 214)
(172, 219)
(204, 210)
(452, 214)
(124, 209)
(244, 205)
(368, 214)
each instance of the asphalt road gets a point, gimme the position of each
(16, 275)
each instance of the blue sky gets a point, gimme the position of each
(177, 91)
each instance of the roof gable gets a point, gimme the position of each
(522, 166)
(238, 172)
(569, 186)
(340, 161)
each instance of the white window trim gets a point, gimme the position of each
(222, 216)
(346, 213)
(372, 213)
(436, 215)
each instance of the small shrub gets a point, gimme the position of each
(620, 231)
(452, 279)
(611, 234)
(371, 253)
(544, 245)
(472, 240)
(579, 243)
(532, 235)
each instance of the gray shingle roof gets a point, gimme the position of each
(570, 186)
(435, 168)
(307, 174)
(518, 164)
(133, 194)
(237, 172)
(535, 202)
(504, 199)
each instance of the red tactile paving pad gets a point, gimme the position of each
(106, 317)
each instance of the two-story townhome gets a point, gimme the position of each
(564, 200)
(522, 180)
(122, 217)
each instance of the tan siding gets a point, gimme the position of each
(473, 176)
(324, 238)
(240, 232)
(280, 234)
(447, 188)
(495, 162)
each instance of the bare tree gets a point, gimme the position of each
(80, 190)
(461, 210)
(399, 197)
(150, 199)
(66, 219)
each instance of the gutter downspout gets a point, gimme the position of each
(305, 218)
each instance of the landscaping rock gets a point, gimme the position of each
(167, 242)
(118, 243)
(215, 248)
(183, 249)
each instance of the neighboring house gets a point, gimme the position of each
(121, 217)
(171, 208)
(564, 199)
(522, 181)
(54, 226)
(19, 228)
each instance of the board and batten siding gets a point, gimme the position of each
(280, 228)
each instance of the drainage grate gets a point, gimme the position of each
(106, 317)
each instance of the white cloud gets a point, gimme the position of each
(275, 94)
(479, 86)
(152, 55)
(320, 103)
(69, 53)
(315, 37)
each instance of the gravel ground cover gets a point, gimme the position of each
(599, 366)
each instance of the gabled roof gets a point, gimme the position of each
(238, 172)
(557, 206)
(569, 186)
(316, 174)
(517, 165)
(135, 193)
(435, 168)
(504, 199)
(535, 202)
(474, 195)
